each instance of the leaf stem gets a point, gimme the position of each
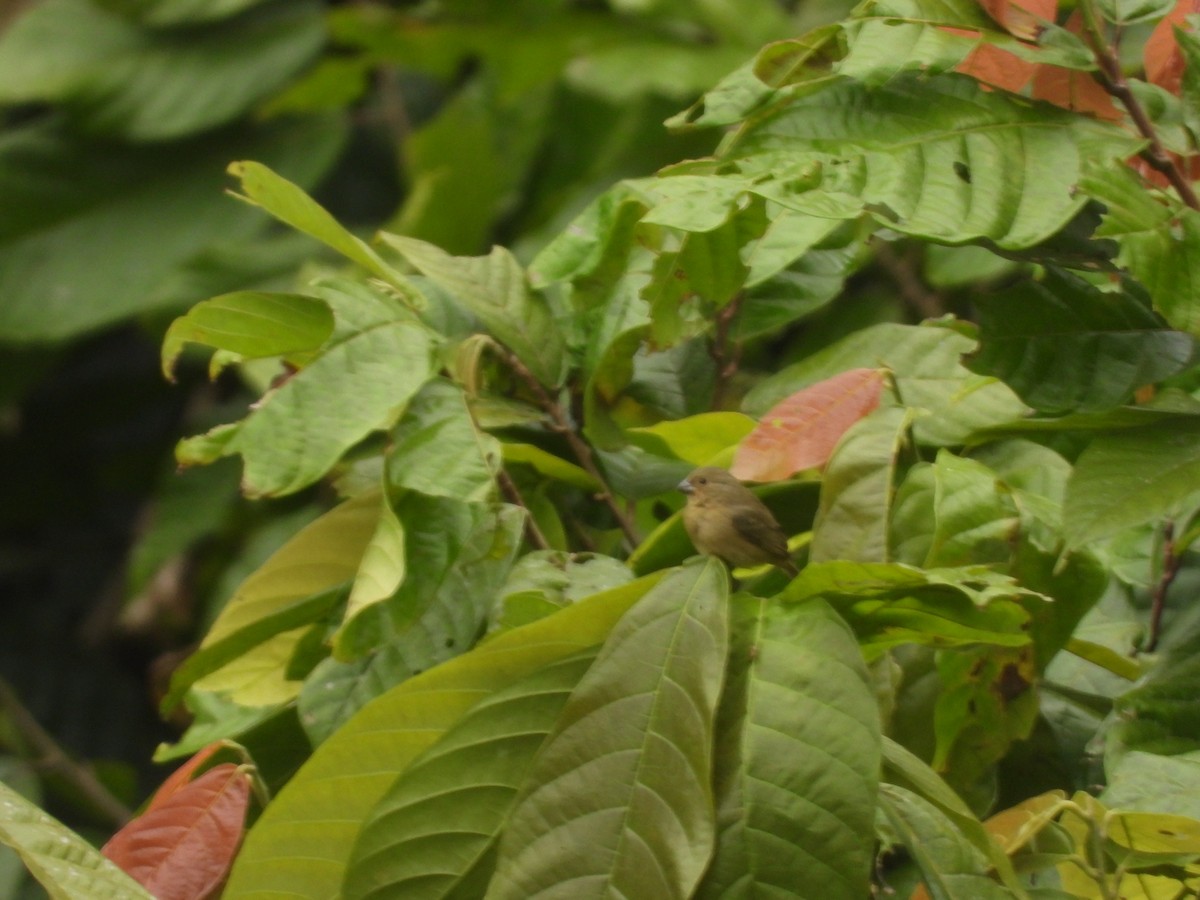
(50, 757)
(508, 487)
(1170, 568)
(559, 422)
(1113, 80)
(903, 270)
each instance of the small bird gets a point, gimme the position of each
(724, 519)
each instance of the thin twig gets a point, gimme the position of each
(509, 488)
(1170, 563)
(928, 304)
(583, 453)
(1112, 79)
(727, 357)
(50, 757)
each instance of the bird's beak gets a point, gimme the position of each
(685, 486)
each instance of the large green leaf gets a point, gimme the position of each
(857, 491)
(797, 758)
(118, 78)
(300, 846)
(1131, 477)
(973, 165)
(494, 288)
(1065, 346)
(619, 800)
(434, 833)
(94, 209)
(66, 865)
(459, 555)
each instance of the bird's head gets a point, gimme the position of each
(711, 481)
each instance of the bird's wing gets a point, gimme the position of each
(762, 531)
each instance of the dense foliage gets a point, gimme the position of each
(950, 252)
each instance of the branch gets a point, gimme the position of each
(928, 304)
(1171, 563)
(51, 758)
(583, 453)
(726, 357)
(1112, 79)
(509, 488)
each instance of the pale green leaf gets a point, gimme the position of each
(494, 288)
(381, 567)
(548, 464)
(697, 439)
(1131, 477)
(66, 865)
(619, 800)
(251, 324)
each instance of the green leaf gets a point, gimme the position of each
(954, 512)
(494, 288)
(1153, 783)
(323, 555)
(1156, 241)
(458, 555)
(438, 449)
(925, 362)
(797, 758)
(140, 84)
(856, 494)
(952, 868)
(303, 840)
(889, 603)
(1065, 346)
(108, 205)
(1131, 477)
(291, 205)
(620, 798)
(66, 865)
(251, 324)
(434, 833)
(549, 465)
(697, 439)
(974, 165)
(359, 383)
(987, 702)
(381, 567)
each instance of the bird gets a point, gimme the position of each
(724, 519)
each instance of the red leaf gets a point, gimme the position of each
(1021, 18)
(1161, 55)
(801, 431)
(181, 848)
(181, 776)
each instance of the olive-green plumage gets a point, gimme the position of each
(724, 519)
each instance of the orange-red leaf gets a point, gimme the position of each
(801, 431)
(181, 848)
(995, 67)
(1161, 55)
(1078, 91)
(1021, 18)
(183, 774)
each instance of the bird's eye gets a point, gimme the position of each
(702, 480)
